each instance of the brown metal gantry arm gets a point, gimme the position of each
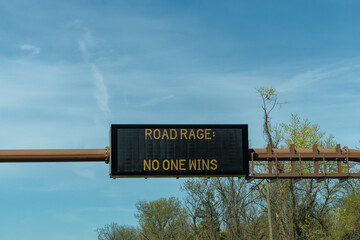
(304, 163)
(55, 155)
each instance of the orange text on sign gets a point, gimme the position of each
(183, 134)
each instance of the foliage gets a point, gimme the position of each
(300, 210)
(348, 214)
(303, 134)
(114, 231)
(162, 219)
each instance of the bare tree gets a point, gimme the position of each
(203, 208)
(239, 209)
(272, 134)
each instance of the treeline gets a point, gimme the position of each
(231, 208)
(235, 209)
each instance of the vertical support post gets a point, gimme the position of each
(252, 163)
(316, 166)
(292, 166)
(292, 151)
(316, 163)
(338, 151)
(324, 164)
(339, 167)
(269, 166)
(347, 152)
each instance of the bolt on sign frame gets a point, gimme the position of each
(178, 150)
(312, 163)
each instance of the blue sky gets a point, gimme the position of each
(68, 69)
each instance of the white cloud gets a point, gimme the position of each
(27, 47)
(156, 100)
(309, 77)
(100, 93)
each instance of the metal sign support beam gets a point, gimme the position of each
(265, 163)
(55, 155)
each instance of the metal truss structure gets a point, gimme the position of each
(315, 163)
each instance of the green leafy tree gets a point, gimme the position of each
(162, 219)
(113, 231)
(303, 134)
(348, 213)
(311, 202)
(299, 210)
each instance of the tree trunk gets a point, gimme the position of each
(269, 210)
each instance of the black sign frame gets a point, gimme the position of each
(113, 163)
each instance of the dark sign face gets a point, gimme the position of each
(178, 150)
